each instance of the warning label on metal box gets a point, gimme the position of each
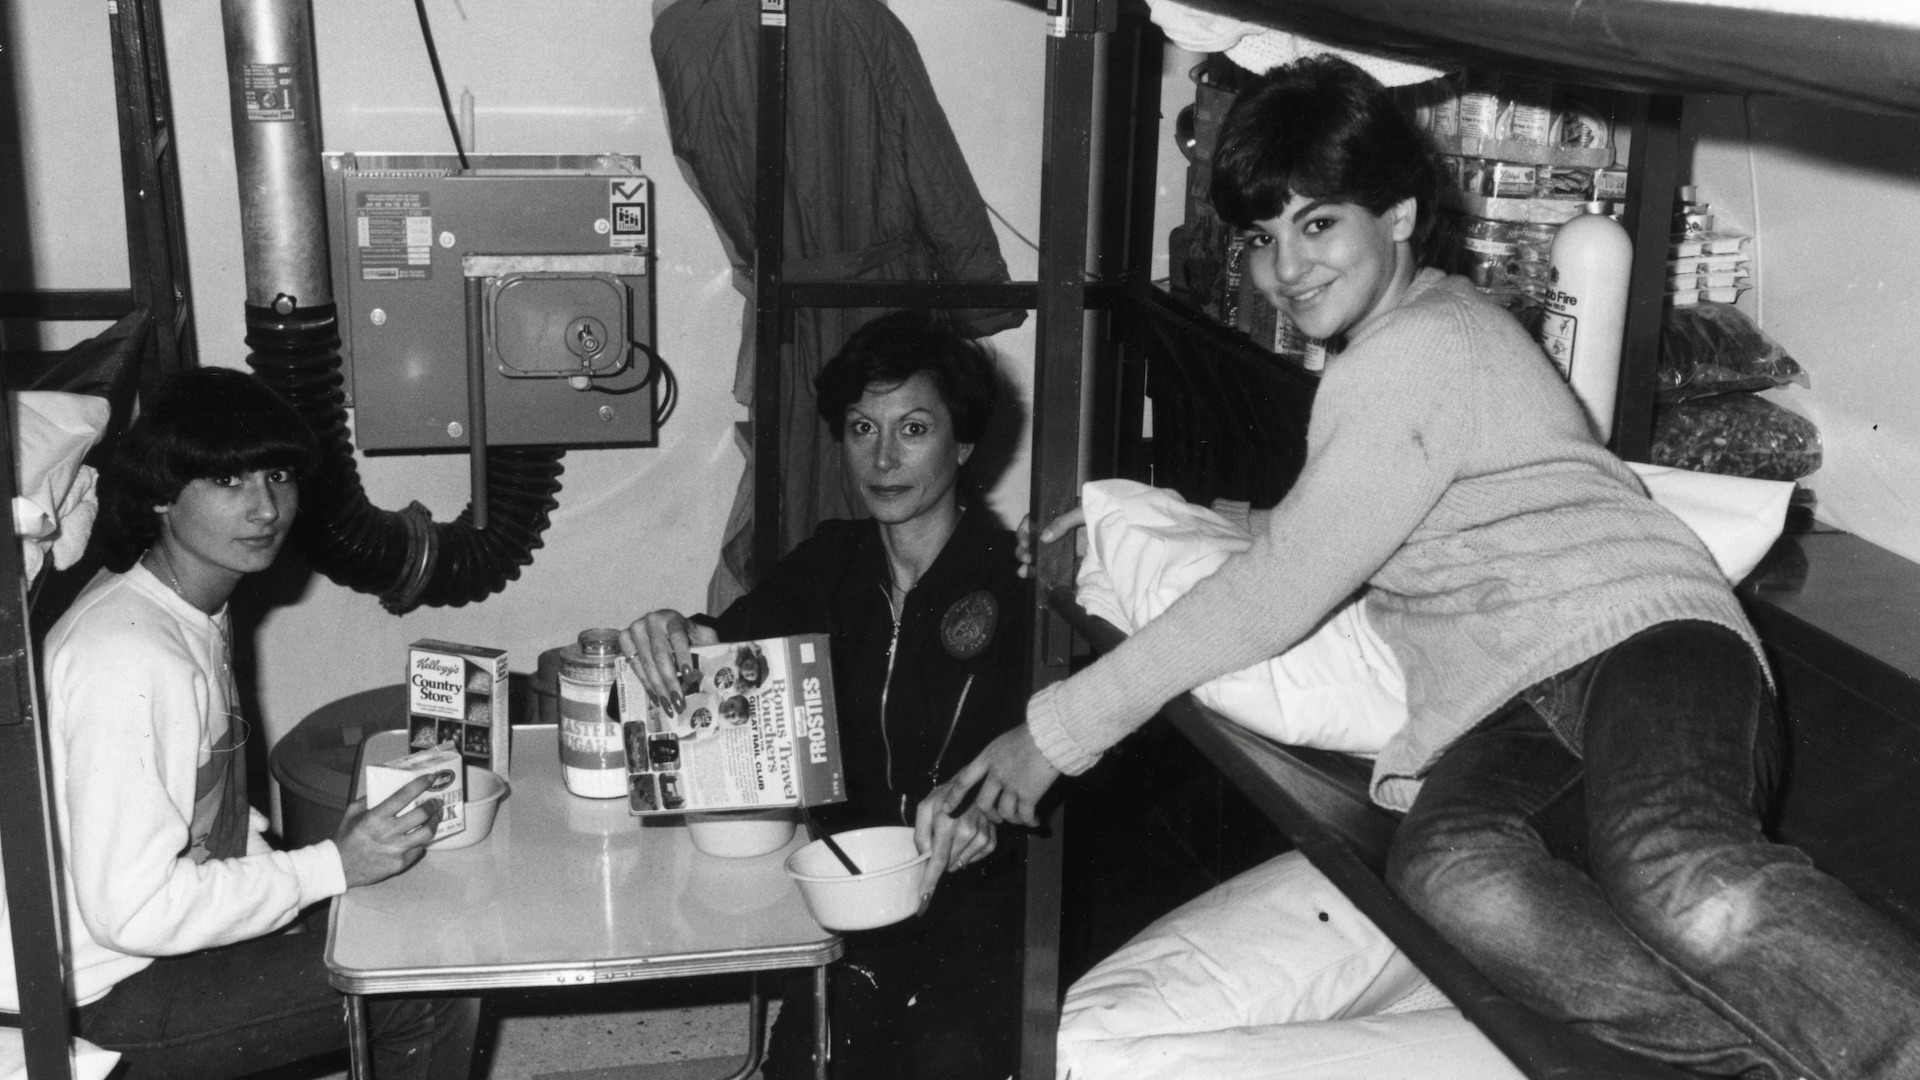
(395, 235)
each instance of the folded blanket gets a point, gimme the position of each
(1259, 49)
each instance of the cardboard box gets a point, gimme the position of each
(457, 697)
(759, 729)
(449, 787)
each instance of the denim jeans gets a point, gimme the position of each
(262, 1004)
(1633, 895)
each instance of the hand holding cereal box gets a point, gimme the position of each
(446, 794)
(758, 729)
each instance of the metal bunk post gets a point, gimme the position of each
(150, 179)
(1652, 172)
(150, 176)
(769, 307)
(1123, 253)
(1077, 31)
(26, 816)
(157, 276)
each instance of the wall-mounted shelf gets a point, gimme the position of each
(1531, 153)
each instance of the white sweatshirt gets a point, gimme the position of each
(137, 694)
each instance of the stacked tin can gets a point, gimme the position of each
(1520, 156)
(592, 758)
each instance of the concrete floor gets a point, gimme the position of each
(538, 1035)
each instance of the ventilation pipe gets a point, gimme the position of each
(404, 556)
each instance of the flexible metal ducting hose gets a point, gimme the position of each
(293, 332)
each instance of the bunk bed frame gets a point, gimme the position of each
(152, 335)
(1838, 615)
(1841, 641)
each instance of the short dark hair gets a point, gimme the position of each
(201, 423)
(894, 348)
(1321, 128)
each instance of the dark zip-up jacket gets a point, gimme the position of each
(921, 691)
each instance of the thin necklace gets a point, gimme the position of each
(226, 659)
(160, 556)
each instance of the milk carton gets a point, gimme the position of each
(448, 790)
(457, 697)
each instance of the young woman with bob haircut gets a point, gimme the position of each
(175, 899)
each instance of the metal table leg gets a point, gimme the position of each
(756, 1028)
(359, 1066)
(821, 1050)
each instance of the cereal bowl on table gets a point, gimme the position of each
(486, 790)
(741, 834)
(886, 890)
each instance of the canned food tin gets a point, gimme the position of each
(593, 761)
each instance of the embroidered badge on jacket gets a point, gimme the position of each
(967, 628)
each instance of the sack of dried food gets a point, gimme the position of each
(1711, 348)
(1740, 434)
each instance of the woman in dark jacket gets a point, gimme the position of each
(927, 618)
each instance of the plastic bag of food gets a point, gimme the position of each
(1711, 348)
(1739, 434)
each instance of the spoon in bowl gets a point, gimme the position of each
(816, 832)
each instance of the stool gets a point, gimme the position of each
(314, 762)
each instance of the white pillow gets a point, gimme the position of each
(1338, 689)
(1274, 945)
(54, 508)
(1266, 974)
(1737, 517)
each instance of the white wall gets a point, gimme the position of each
(1834, 199)
(636, 529)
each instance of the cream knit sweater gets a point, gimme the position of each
(1450, 472)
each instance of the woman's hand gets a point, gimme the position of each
(660, 644)
(954, 841)
(379, 843)
(1012, 773)
(1066, 523)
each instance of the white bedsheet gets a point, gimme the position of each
(1273, 973)
(89, 1061)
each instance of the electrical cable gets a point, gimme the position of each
(1002, 218)
(669, 391)
(440, 80)
(658, 371)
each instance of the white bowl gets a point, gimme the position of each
(485, 791)
(886, 891)
(741, 834)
